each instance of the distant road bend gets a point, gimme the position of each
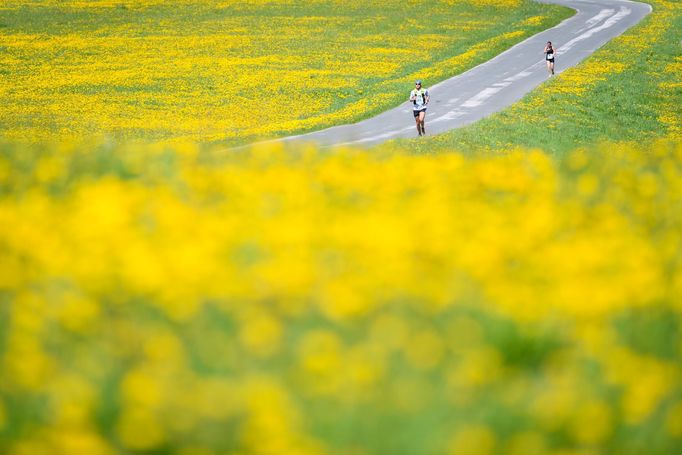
(497, 83)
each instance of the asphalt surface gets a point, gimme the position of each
(496, 84)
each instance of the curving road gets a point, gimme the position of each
(496, 84)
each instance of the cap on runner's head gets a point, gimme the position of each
(418, 82)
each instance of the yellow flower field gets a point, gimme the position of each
(232, 72)
(163, 297)
(287, 301)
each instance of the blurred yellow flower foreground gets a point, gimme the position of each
(292, 301)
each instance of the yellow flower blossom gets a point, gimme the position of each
(140, 429)
(473, 440)
(674, 421)
(592, 422)
(527, 443)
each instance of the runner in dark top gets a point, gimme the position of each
(549, 57)
(419, 98)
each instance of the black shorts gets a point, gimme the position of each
(416, 113)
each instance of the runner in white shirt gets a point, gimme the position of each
(419, 98)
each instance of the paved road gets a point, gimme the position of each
(496, 84)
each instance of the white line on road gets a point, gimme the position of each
(519, 76)
(603, 14)
(624, 12)
(481, 97)
(378, 136)
(449, 116)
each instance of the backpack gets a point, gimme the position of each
(421, 92)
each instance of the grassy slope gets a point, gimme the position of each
(637, 99)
